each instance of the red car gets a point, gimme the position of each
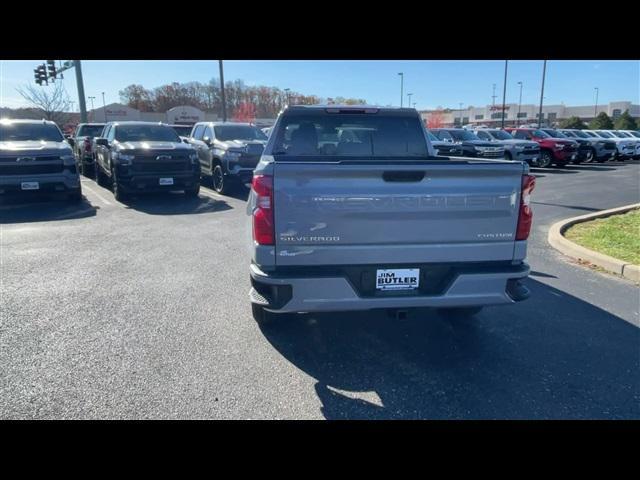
(552, 150)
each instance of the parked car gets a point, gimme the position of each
(471, 145)
(446, 149)
(34, 157)
(601, 150)
(555, 151)
(519, 150)
(228, 152)
(627, 136)
(381, 222)
(145, 156)
(82, 143)
(584, 147)
(625, 146)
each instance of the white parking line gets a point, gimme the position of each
(97, 194)
(211, 194)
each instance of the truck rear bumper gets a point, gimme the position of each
(490, 286)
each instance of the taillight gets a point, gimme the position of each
(87, 145)
(526, 215)
(263, 225)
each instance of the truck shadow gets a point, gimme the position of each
(165, 203)
(43, 208)
(239, 192)
(554, 170)
(554, 356)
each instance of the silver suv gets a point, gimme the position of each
(523, 150)
(34, 157)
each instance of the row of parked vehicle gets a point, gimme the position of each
(133, 156)
(539, 147)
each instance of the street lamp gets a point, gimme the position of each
(519, 105)
(460, 113)
(93, 113)
(544, 72)
(287, 90)
(595, 109)
(504, 93)
(409, 102)
(401, 86)
(104, 107)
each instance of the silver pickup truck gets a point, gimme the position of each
(351, 210)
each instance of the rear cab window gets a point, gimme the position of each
(324, 134)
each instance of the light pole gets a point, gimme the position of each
(409, 102)
(401, 87)
(287, 90)
(493, 102)
(460, 113)
(504, 92)
(93, 113)
(104, 108)
(544, 71)
(595, 108)
(519, 105)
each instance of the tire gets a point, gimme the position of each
(220, 184)
(99, 175)
(591, 156)
(459, 312)
(192, 192)
(545, 159)
(118, 194)
(263, 317)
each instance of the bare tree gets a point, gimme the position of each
(53, 103)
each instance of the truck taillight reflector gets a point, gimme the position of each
(263, 224)
(526, 215)
(87, 145)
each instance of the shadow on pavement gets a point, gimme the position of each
(552, 170)
(551, 357)
(239, 192)
(169, 203)
(43, 208)
(593, 167)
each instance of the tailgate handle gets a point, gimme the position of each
(403, 176)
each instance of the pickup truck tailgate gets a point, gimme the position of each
(368, 212)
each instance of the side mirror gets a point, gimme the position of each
(70, 141)
(207, 140)
(102, 141)
(184, 139)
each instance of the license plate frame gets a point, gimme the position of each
(165, 181)
(397, 279)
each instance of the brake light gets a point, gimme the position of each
(526, 214)
(263, 224)
(87, 145)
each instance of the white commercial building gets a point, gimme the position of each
(185, 115)
(514, 114)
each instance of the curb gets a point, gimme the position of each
(567, 247)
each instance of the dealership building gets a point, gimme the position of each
(514, 114)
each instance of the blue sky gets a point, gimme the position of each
(433, 83)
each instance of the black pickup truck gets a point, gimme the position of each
(145, 156)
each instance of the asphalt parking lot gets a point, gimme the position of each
(141, 311)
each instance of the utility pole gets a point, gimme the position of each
(519, 105)
(504, 92)
(494, 96)
(93, 109)
(409, 102)
(80, 85)
(401, 86)
(544, 72)
(287, 90)
(595, 109)
(460, 113)
(104, 108)
(224, 102)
